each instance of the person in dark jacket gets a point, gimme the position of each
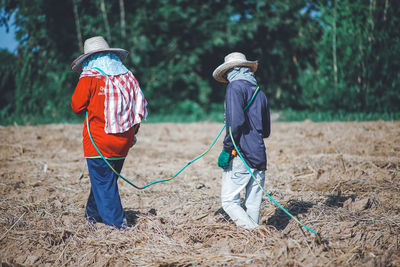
(249, 127)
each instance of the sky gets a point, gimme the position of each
(7, 39)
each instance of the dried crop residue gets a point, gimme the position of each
(341, 179)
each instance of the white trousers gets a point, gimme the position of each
(234, 180)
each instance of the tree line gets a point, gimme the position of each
(313, 55)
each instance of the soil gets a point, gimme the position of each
(342, 179)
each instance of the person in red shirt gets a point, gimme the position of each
(110, 95)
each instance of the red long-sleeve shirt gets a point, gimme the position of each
(89, 95)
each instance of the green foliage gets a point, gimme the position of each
(367, 66)
(174, 48)
(188, 111)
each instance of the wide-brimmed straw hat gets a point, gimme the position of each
(233, 60)
(95, 45)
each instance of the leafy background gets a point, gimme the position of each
(317, 59)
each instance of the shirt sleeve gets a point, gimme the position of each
(266, 120)
(81, 97)
(234, 114)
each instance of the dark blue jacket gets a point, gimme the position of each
(248, 127)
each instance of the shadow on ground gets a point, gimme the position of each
(338, 200)
(280, 219)
(132, 216)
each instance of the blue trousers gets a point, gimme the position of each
(104, 202)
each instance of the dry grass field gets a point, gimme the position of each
(342, 179)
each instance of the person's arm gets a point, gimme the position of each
(234, 113)
(266, 120)
(81, 97)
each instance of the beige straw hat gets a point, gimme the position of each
(233, 60)
(94, 45)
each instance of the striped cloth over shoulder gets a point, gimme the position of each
(124, 104)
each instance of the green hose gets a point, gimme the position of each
(198, 157)
(158, 181)
(176, 174)
(271, 198)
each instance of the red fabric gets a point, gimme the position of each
(89, 95)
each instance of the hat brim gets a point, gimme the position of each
(219, 72)
(77, 63)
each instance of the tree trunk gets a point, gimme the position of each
(77, 24)
(335, 69)
(105, 19)
(385, 11)
(372, 6)
(123, 23)
(370, 41)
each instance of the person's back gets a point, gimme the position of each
(114, 105)
(250, 125)
(248, 119)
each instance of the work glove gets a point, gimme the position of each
(223, 159)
